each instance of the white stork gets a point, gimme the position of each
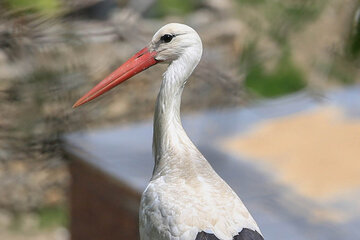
(185, 199)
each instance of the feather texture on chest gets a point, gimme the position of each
(180, 208)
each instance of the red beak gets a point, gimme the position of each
(138, 63)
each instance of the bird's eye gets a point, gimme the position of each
(166, 38)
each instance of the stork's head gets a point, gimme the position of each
(173, 40)
(170, 43)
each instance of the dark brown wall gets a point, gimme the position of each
(101, 207)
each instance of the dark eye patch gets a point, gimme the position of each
(167, 38)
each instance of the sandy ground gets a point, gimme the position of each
(316, 153)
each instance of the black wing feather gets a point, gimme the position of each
(205, 236)
(245, 234)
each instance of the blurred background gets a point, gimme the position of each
(53, 51)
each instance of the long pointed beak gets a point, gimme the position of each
(136, 64)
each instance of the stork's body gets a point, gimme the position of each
(185, 199)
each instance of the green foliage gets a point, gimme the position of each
(281, 18)
(47, 7)
(164, 8)
(340, 70)
(52, 216)
(354, 41)
(45, 217)
(283, 79)
(287, 18)
(251, 1)
(341, 75)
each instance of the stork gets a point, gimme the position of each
(185, 199)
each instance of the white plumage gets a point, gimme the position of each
(185, 199)
(185, 195)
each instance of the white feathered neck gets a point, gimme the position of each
(169, 136)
